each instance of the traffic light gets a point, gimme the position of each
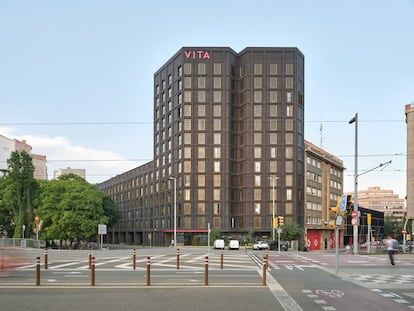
(335, 209)
(276, 222)
(281, 221)
(349, 205)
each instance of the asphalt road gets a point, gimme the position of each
(294, 281)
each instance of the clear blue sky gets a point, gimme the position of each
(92, 62)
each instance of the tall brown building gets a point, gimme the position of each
(226, 125)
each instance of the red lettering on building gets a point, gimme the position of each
(196, 55)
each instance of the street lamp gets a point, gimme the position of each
(355, 227)
(273, 179)
(175, 210)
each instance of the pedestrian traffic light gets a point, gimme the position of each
(275, 222)
(281, 221)
(335, 209)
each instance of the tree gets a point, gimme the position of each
(19, 193)
(393, 227)
(291, 231)
(71, 208)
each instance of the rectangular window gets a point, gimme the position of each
(273, 138)
(201, 96)
(257, 152)
(289, 125)
(273, 152)
(273, 125)
(257, 110)
(257, 180)
(217, 68)
(257, 82)
(201, 166)
(257, 166)
(187, 68)
(179, 71)
(289, 83)
(217, 152)
(273, 69)
(201, 124)
(257, 194)
(273, 96)
(201, 82)
(201, 194)
(257, 69)
(217, 124)
(187, 82)
(289, 138)
(217, 138)
(201, 208)
(217, 82)
(257, 138)
(257, 96)
(201, 68)
(201, 152)
(289, 69)
(187, 194)
(201, 110)
(257, 124)
(257, 208)
(217, 96)
(201, 138)
(273, 82)
(273, 166)
(217, 166)
(187, 97)
(217, 110)
(187, 153)
(187, 124)
(216, 196)
(217, 180)
(289, 111)
(273, 110)
(289, 97)
(201, 180)
(187, 138)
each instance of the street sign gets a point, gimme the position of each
(403, 231)
(353, 221)
(354, 214)
(102, 229)
(342, 207)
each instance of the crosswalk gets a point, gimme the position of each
(186, 262)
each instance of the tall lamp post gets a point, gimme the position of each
(355, 227)
(273, 179)
(175, 210)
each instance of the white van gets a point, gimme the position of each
(234, 244)
(219, 244)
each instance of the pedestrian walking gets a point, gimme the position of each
(390, 247)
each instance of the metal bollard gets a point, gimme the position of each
(90, 257)
(264, 271)
(221, 260)
(46, 258)
(206, 270)
(93, 271)
(134, 259)
(37, 271)
(178, 259)
(148, 271)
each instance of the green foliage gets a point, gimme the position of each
(19, 191)
(393, 227)
(291, 231)
(214, 235)
(71, 208)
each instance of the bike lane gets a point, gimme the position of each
(316, 288)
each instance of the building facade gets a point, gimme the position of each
(409, 119)
(81, 172)
(226, 125)
(8, 145)
(383, 200)
(324, 184)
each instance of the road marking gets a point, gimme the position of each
(285, 300)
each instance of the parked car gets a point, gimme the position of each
(284, 245)
(219, 244)
(234, 244)
(260, 245)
